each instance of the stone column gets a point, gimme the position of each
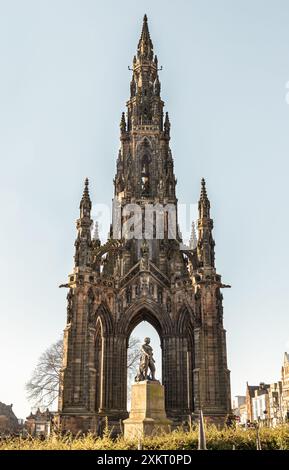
(176, 377)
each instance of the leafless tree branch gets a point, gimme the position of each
(42, 388)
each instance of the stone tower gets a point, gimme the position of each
(142, 275)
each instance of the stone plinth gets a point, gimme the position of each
(147, 416)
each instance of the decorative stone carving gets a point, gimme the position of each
(90, 307)
(149, 280)
(69, 298)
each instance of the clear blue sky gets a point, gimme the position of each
(63, 85)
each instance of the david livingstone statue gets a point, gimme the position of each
(146, 362)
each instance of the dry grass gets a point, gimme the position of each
(271, 439)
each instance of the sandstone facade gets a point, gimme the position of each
(115, 286)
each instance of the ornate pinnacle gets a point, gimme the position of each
(85, 202)
(132, 87)
(206, 242)
(82, 244)
(157, 86)
(203, 189)
(122, 123)
(167, 125)
(204, 203)
(145, 45)
(86, 184)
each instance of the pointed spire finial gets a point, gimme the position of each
(86, 190)
(206, 242)
(203, 189)
(85, 200)
(82, 257)
(145, 45)
(86, 184)
(204, 203)
(122, 123)
(167, 125)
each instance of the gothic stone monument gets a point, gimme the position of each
(147, 415)
(117, 285)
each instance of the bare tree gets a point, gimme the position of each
(42, 389)
(133, 354)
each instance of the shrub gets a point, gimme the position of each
(242, 439)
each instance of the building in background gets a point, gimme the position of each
(243, 414)
(285, 388)
(260, 403)
(263, 404)
(238, 401)
(250, 393)
(8, 421)
(275, 404)
(239, 405)
(40, 424)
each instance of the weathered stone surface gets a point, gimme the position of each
(147, 415)
(117, 285)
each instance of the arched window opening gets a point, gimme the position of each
(145, 175)
(141, 331)
(98, 365)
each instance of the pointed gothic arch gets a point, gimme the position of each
(145, 165)
(148, 310)
(104, 315)
(98, 346)
(144, 144)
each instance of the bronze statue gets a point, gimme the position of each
(146, 362)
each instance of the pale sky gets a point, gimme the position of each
(64, 82)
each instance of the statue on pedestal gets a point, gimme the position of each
(146, 362)
(147, 415)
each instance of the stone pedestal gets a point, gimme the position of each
(147, 416)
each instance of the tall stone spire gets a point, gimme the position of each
(145, 106)
(206, 244)
(82, 244)
(145, 164)
(145, 45)
(143, 273)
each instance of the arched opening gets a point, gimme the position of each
(140, 331)
(145, 175)
(98, 365)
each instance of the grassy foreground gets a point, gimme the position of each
(241, 439)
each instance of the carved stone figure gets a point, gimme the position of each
(69, 305)
(90, 307)
(146, 362)
(144, 261)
